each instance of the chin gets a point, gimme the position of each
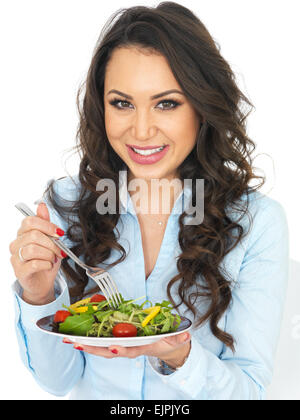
(147, 173)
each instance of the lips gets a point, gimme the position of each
(149, 159)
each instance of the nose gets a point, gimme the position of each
(143, 127)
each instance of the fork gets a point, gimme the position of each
(101, 277)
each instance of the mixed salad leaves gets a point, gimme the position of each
(92, 317)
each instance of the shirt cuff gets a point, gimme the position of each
(32, 313)
(191, 376)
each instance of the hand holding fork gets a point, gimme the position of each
(35, 255)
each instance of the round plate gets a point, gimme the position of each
(46, 325)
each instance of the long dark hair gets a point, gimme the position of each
(221, 156)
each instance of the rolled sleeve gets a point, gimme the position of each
(55, 366)
(30, 314)
(27, 315)
(189, 378)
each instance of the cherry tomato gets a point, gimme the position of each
(124, 329)
(97, 298)
(61, 316)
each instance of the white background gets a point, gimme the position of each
(46, 48)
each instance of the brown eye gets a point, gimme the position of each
(114, 103)
(170, 102)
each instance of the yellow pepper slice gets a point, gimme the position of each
(79, 303)
(149, 310)
(153, 311)
(83, 309)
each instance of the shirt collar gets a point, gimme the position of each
(126, 203)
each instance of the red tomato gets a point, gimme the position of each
(97, 298)
(61, 316)
(124, 329)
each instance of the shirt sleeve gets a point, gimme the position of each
(253, 319)
(55, 366)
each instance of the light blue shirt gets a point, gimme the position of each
(259, 268)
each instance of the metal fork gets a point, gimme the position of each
(101, 277)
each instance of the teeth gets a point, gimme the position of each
(149, 151)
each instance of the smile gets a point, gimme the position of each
(147, 156)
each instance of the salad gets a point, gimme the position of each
(92, 317)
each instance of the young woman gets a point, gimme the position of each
(157, 82)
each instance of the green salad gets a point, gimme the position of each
(92, 317)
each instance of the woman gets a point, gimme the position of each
(158, 81)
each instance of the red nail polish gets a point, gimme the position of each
(63, 254)
(66, 341)
(78, 347)
(60, 232)
(55, 259)
(114, 351)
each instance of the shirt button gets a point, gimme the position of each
(183, 382)
(138, 364)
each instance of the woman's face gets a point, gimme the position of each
(142, 121)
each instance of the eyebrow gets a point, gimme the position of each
(158, 95)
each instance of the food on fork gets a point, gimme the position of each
(93, 317)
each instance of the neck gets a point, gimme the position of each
(154, 197)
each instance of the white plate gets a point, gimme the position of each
(46, 325)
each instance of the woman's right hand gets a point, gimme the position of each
(42, 257)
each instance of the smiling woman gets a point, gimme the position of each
(203, 137)
(160, 103)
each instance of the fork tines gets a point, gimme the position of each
(108, 288)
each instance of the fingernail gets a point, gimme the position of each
(55, 259)
(114, 351)
(63, 254)
(78, 347)
(65, 340)
(59, 232)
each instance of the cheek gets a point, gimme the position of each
(183, 130)
(191, 122)
(114, 125)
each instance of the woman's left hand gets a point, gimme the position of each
(172, 350)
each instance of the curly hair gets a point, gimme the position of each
(221, 156)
